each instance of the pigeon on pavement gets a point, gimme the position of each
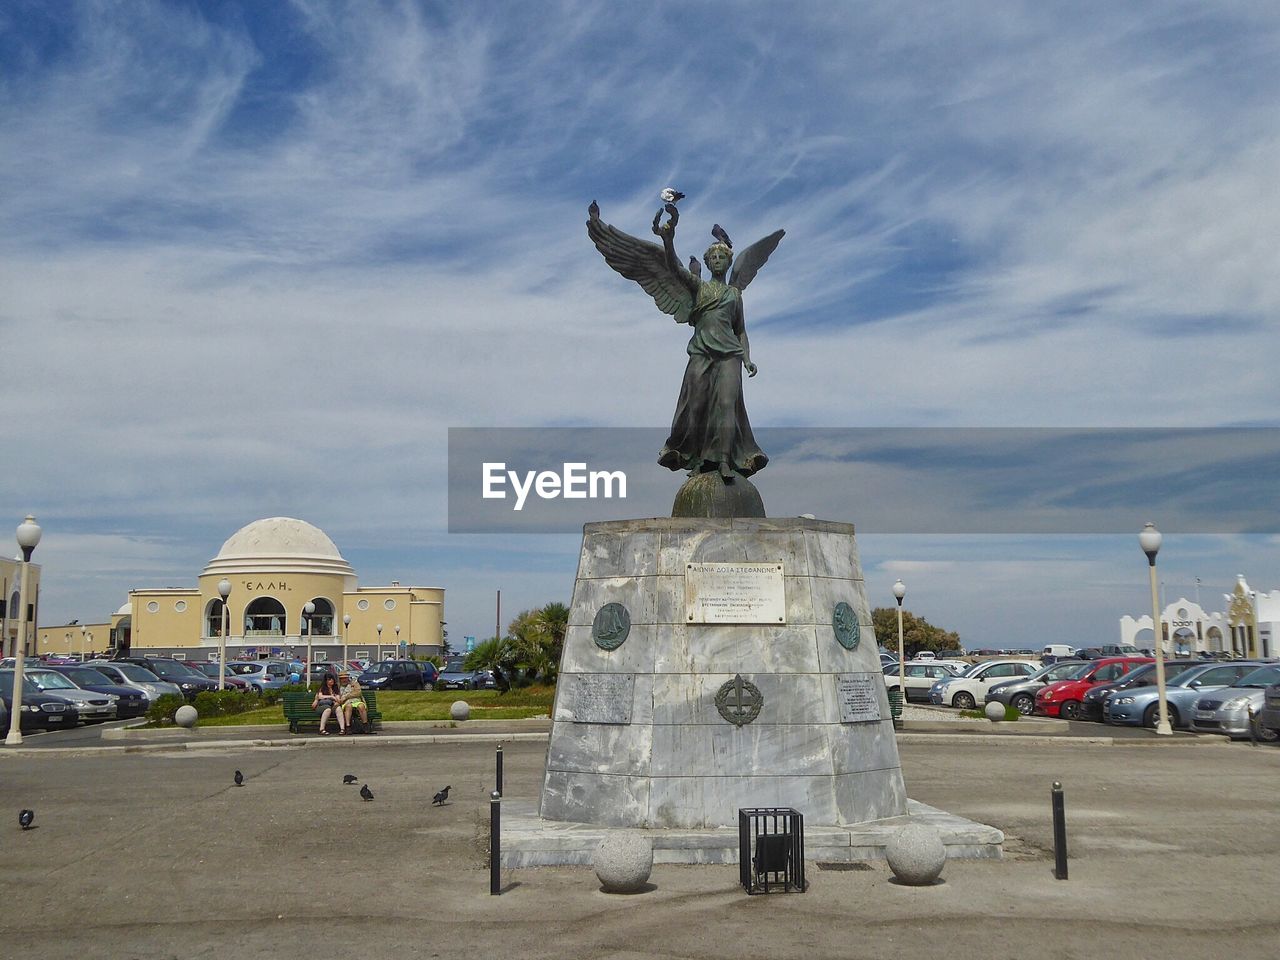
(366, 793)
(25, 817)
(239, 779)
(441, 797)
(349, 778)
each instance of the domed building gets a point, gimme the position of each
(275, 567)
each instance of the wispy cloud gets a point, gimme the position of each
(255, 258)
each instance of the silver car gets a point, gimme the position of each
(92, 707)
(1140, 705)
(261, 674)
(137, 678)
(1231, 710)
(1021, 693)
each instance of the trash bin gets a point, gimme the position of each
(895, 707)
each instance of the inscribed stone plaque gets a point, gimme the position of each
(734, 593)
(858, 696)
(602, 697)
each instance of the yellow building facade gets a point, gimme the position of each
(13, 622)
(275, 567)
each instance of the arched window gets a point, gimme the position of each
(264, 617)
(213, 618)
(322, 619)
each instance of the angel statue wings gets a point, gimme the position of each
(710, 430)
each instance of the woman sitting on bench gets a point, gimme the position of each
(352, 699)
(327, 698)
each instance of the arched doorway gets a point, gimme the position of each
(122, 635)
(1213, 639)
(213, 618)
(1184, 642)
(322, 619)
(264, 617)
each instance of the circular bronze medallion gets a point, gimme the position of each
(739, 701)
(610, 626)
(845, 622)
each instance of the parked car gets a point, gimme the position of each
(1021, 692)
(1062, 698)
(40, 710)
(136, 677)
(969, 688)
(455, 677)
(397, 675)
(1269, 715)
(188, 680)
(321, 668)
(92, 707)
(210, 669)
(262, 674)
(130, 703)
(1109, 650)
(1093, 703)
(1231, 710)
(919, 677)
(1140, 704)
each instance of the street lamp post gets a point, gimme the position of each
(346, 635)
(399, 651)
(28, 537)
(224, 591)
(84, 642)
(900, 591)
(379, 629)
(308, 609)
(1149, 539)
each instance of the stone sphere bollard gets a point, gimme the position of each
(916, 854)
(186, 716)
(994, 711)
(623, 862)
(461, 710)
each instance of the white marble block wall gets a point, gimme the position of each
(678, 763)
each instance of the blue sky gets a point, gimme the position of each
(256, 258)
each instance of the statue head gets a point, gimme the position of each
(718, 257)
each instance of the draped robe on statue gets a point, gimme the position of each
(710, 425)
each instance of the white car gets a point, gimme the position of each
(919, 678)
(970, 688)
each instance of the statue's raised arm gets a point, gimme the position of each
(648, 264)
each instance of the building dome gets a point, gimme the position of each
(126, 610)
(278, 545)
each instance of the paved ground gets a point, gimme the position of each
(157, 854)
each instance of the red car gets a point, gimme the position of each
(1062, 699)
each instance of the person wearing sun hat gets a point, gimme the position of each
(352, 699)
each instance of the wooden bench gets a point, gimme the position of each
(297, 709)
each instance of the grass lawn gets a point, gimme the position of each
(425, 705)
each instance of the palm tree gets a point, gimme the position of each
(492, 654)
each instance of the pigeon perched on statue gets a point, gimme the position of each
(717, 231)
(239, 779)
(671, 195)
(366, 793)
(25, 817)
(349, 779)
(441, 797)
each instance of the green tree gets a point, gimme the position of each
(917, 633)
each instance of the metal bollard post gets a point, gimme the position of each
(495, 843)
(1059, 833)
(498, 788)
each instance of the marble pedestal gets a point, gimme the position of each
(646, 747)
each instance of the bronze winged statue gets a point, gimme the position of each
(710, 430)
